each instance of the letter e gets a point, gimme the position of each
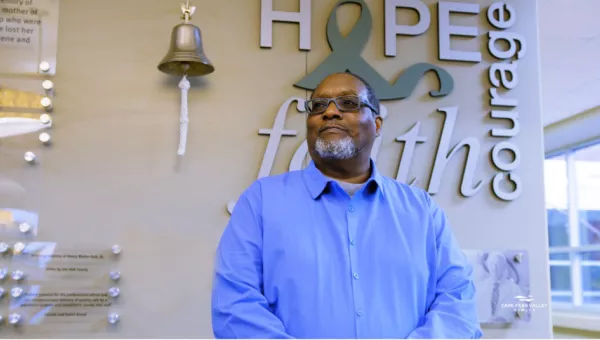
(446, 30)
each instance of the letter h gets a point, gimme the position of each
(268, 16)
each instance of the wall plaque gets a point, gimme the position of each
(55, 288)
(44, 310)
(68, 275)
(28, 36)
(503, 287)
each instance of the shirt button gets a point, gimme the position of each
(352, 242)
(356, 276)
(350, 208)
(359, 313)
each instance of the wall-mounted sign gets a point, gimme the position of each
(28, 36)
(503, 286)
(346, 55)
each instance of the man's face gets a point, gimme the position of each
(341, 135)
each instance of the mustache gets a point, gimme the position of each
(329, 126)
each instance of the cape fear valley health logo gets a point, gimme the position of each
(522, 298)
(524, 304)
(346, 56)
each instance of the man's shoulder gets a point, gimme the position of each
(401, 190)
(285, 178)
(275, 182)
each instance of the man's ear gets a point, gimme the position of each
(378, 124)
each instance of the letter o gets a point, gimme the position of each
(499, 163)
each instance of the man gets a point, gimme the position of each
(337, 250)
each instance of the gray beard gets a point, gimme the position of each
(336, 150)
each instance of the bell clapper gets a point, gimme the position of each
(185, 66)
(184, 85)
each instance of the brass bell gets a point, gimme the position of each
(186, 54)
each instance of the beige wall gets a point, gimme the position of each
(112, 175)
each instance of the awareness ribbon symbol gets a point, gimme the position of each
(345, 56)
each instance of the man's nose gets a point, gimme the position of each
(332, 111)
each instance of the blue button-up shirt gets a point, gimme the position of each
(302, 259)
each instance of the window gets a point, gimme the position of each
(572, 184)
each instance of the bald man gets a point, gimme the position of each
(337, 250)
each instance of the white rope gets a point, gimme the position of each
(184, 85)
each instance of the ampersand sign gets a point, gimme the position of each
(346, 56)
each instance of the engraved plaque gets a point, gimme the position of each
(50, 309)
(43, 254)
(28, 36)
(47, 262)
(51, 288)
(68, 276)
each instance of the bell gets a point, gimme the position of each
(186, 54)
(185, 58)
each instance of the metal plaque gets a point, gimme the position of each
(502, 283)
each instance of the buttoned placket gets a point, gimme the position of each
(352, 214)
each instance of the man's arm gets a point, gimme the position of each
(239, 308)
(453, 313)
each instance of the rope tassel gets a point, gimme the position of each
(184, 85)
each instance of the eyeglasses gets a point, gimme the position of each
(344, 104)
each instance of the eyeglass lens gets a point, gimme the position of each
(344, 103)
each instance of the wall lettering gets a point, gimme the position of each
(410, 139)
(346, 56)
(502, 132)
(508, 47)
(268, 16)
(467, 189)
(392, 29)
(275, 134)
(446, 30)
(503, 16)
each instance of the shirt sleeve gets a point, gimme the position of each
(239, 308)
(453, 312)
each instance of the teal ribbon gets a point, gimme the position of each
(346, 56)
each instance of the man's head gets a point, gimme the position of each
(343, 118)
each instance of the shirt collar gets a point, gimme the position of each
(316, 182)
